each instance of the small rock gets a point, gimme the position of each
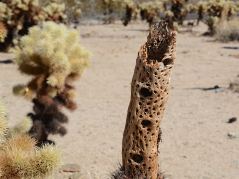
(231, 120)
(232, 135)
(71, 168)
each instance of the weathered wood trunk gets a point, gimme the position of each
(149, 93)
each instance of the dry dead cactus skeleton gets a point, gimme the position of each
(149, 93)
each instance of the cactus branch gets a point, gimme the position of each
(149, 93)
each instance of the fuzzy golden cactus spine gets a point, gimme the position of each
(3, 32)
(19, 158)
(52, 54)
(149, 93)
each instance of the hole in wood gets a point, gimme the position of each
(146, 123)
(137, 158)
(145, 92)
(168, 61)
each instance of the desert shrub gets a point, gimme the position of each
(19, 158)
(228, 31)
(52, 54)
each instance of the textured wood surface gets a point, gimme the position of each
(149, 93)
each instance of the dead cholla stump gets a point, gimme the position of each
(149, 93)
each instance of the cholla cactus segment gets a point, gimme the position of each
(20, 158)
(45, 160)
(21, 128)
(20, 142)
(55, 11)
(36, 163)
(22, 90)
(3, 11)
(3, 32)
(57, 53)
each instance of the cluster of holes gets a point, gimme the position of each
(150, 104)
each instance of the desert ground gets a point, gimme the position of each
(198, 143)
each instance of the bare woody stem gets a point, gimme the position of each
(149, 93)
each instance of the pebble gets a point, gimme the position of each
(231, 120)
(232, 135)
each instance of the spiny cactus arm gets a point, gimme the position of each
(149, 93)
(21, 142)
(19, 158)
(21, 128)
(45, 161)
(48, 57)
(3, 32)
(36, 163)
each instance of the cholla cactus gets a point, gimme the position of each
(130, 12)
(21, 128)
(216, 11)
(3, 32)
(180, 10)
(19, 15)
(149, 11)
(73, 10)
(52, 54)
(19, 158)
(111, 8)
(55, 11)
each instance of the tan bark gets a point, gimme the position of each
(149, 93)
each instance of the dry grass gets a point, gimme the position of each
(228, 30)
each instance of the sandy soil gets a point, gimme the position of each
(195, 142)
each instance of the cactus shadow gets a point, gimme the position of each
(231, 47)
(7, 61)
